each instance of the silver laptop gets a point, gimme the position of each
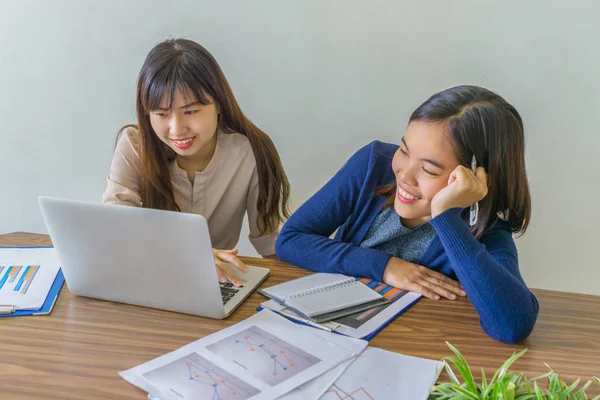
(151, 258)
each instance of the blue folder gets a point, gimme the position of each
(372, 335)
(52, 294)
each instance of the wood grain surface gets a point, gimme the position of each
(76, 352)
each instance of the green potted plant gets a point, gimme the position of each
(504, 385)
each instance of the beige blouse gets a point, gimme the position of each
(222, 193)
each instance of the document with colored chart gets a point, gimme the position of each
(381, 374)
(263, 357)
(26, 276)
(365, 324)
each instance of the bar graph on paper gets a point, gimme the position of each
(195, 377)
(26, 276)
(17, 278)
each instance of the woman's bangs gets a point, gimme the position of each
(163, 86)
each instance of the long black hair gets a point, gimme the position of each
(481, 123)
(181, 64)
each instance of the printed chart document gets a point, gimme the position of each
(315, 388)
(262, 357)
(26, 275)
(381, 374)
(366, 323)
(324, 296)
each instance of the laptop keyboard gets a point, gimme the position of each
(227, 291)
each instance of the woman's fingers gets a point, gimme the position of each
(437, 289)
(417, 278)
(228, 273)
(445, 283)
(425, 291)
(435, 285)
(221, 276)
(223, 260)
(232, 259)
(232, 251)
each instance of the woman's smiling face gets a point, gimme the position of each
(422, 166)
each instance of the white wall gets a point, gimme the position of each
(322, 78)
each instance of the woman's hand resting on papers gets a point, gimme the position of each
(224, 271)
(416, 278)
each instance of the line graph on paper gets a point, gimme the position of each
(335, 392)
(265, 356)
(194, 377)
(378, 374)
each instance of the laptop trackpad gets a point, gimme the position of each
(251, 281)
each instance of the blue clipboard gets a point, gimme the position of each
(371, 335)
(52, 294)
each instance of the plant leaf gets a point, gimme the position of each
(464, 369)
(502, 370)
(466, 393)
(528, 386)
(499, 374)
(505, 385)
(509, 362)
(570, 389)
(553, 383)
(451, 374)
(538, 391)
(583, 388)
(546, 375)
(483, 380)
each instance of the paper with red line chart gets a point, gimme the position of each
(198, 378)
(378, 374)
(26, 275)
(262, 357)
(269, 358)
(310, 390)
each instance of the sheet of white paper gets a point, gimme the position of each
(315, 388)
(379, 374)
(262, 357)
(26, 276)
(277, 307)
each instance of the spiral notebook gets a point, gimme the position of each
(323, 297)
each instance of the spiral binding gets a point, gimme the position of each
(331, 286)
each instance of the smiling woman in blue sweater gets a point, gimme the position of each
(402, 212)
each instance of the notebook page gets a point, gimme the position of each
(333, 299)
(297, 286)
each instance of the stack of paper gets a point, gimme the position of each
(380, 374)
(262, 357)
(363, 324)
(269, 357)
(324, 297)
(30, 280)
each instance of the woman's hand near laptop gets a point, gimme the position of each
(416, 278)
(224, 271)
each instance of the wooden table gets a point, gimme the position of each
(76, 352)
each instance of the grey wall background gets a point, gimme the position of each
(322, 78)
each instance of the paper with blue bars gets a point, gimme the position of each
(26, 275)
